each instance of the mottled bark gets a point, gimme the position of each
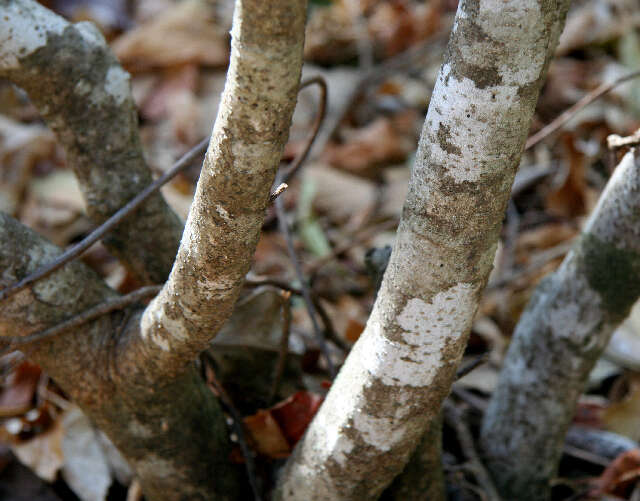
(224, 222)
(559, 337)
(171, 431)
(82, 92)
(422, 478)
(400, 370)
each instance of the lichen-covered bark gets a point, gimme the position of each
(400, 370)
(233, 190)
(563, 331)
(171, 431)
(82, 92)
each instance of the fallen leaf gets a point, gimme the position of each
(267, 436)
(85, 468)
(18, 392)
(619, 476)
(295, 413)
(569, 200)
(43, 453)
(623, 417)
(189, 32)
(384, 141)
(275, 431)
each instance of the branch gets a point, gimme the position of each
(559, 337)
(111, 223)
(224, 222)
(172, 443)
(391, 387)
(82, 92)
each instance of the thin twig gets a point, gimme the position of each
(476, 362)
(111, 304)
(284, 345)
(75, 251)
(238, 422)
(456, 418)
(322, 112)
(184, 162)
(306, 295)
(360, 236)
(568, 114)
(330, 331)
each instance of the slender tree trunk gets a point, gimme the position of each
(401, 369)
(227, 212)
(82, 92)
(561, 334)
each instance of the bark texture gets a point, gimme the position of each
(559, 337)
(82, 92)
(400, 370)
(224, 222)
(171, 431)
(422, 478)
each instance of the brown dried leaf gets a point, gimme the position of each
(17, 395)
(384, 141)
(623, 417)
(187, 33)
(266, 435)
(619, 476)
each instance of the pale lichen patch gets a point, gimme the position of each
(117, 84)
(24, 31)
(464, 153)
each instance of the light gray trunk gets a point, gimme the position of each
(401, 369)
(559, 337)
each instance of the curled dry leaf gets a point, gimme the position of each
(620, 476)
(384, 141)
(18, 392)
(189, 32)
(276, 431)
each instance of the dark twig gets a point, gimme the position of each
(360, 236)
(568, 114)
(306, 295)
(284, 345)
(238, 422)
(75, 251)
(322, 111)
(456, 418)
(112, 304)
(330, 330)
(476, 362)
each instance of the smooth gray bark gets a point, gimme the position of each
(559, 337)
(397, 375)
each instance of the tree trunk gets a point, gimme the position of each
(402, 367)
(559, 337)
